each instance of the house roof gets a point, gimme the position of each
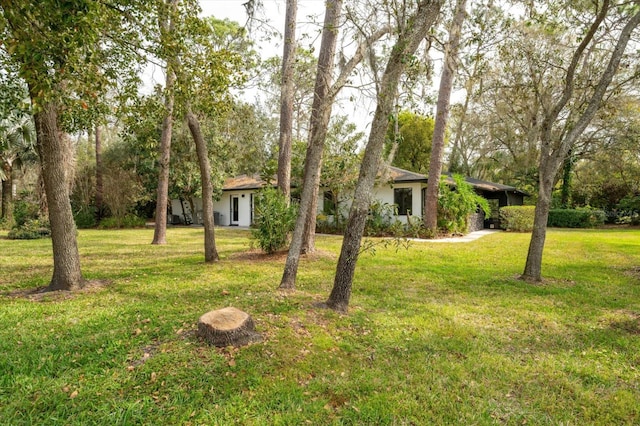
(396, 175)
(401, 175)
(242, 182)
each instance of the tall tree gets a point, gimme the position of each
(555, 144)
(59, 55)
(324, 96)
(411, 33)
(286, 99)
(320, 114)
(206, 67)
(442, 116)
(167, 15)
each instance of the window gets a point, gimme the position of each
(402, 198)
(329, 203)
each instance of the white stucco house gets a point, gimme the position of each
(399, 187)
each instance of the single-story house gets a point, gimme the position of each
(402, 188)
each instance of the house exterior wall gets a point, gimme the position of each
(222, 207)
(385, 195)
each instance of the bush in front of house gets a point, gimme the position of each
(517, 218)
(273, 221)
(576, 218)
(457, 204)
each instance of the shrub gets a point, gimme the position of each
(85, 218)
(274, 220)
(6, 223)
(31, 229)
(457, 204)
(575, 218)
(128, 221)
(24, 211)
(517, 218)
(379, 219)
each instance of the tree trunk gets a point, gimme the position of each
(552, 153)
(210, 252)
(567, 174)
(320, 115)
(286, 100)
(533, 267)
(99, 187)
(162, 199)
(7, 192)
(405, 46)
(54, 155)
(442, 116)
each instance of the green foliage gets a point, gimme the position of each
(128, 221)
(30, 229)
(85, 218)
(6, 223)
(414, 141)
(576, 218)
(517, 218)
(456, 204)
(24, 211)
(274, 220)
(379, 218)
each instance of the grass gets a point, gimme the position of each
(437, 334)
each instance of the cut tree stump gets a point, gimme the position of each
(227, 327)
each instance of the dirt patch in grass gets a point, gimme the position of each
(633, 272)
(630, 324)
(41, 294)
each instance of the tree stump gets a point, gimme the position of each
(227, 327)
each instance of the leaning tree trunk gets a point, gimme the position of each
(210, 252)
(54, 155)
(552, 153)
(405, 46)
(286, 100)
(442, 116)
(320, 115)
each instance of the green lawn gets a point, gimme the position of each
(437, 334)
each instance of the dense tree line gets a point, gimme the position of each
(544, 98)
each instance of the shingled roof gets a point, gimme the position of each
(395, 174)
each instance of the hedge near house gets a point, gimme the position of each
(576, 218)
(517, 218)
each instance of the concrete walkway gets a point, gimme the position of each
(472, 236)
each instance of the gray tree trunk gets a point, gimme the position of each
(54, 153)
(210, 252)
(405, 46)
(553, 153)
(162, 198)
(286, 100)
(442, 116)
(319, 129)
(320, 115)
